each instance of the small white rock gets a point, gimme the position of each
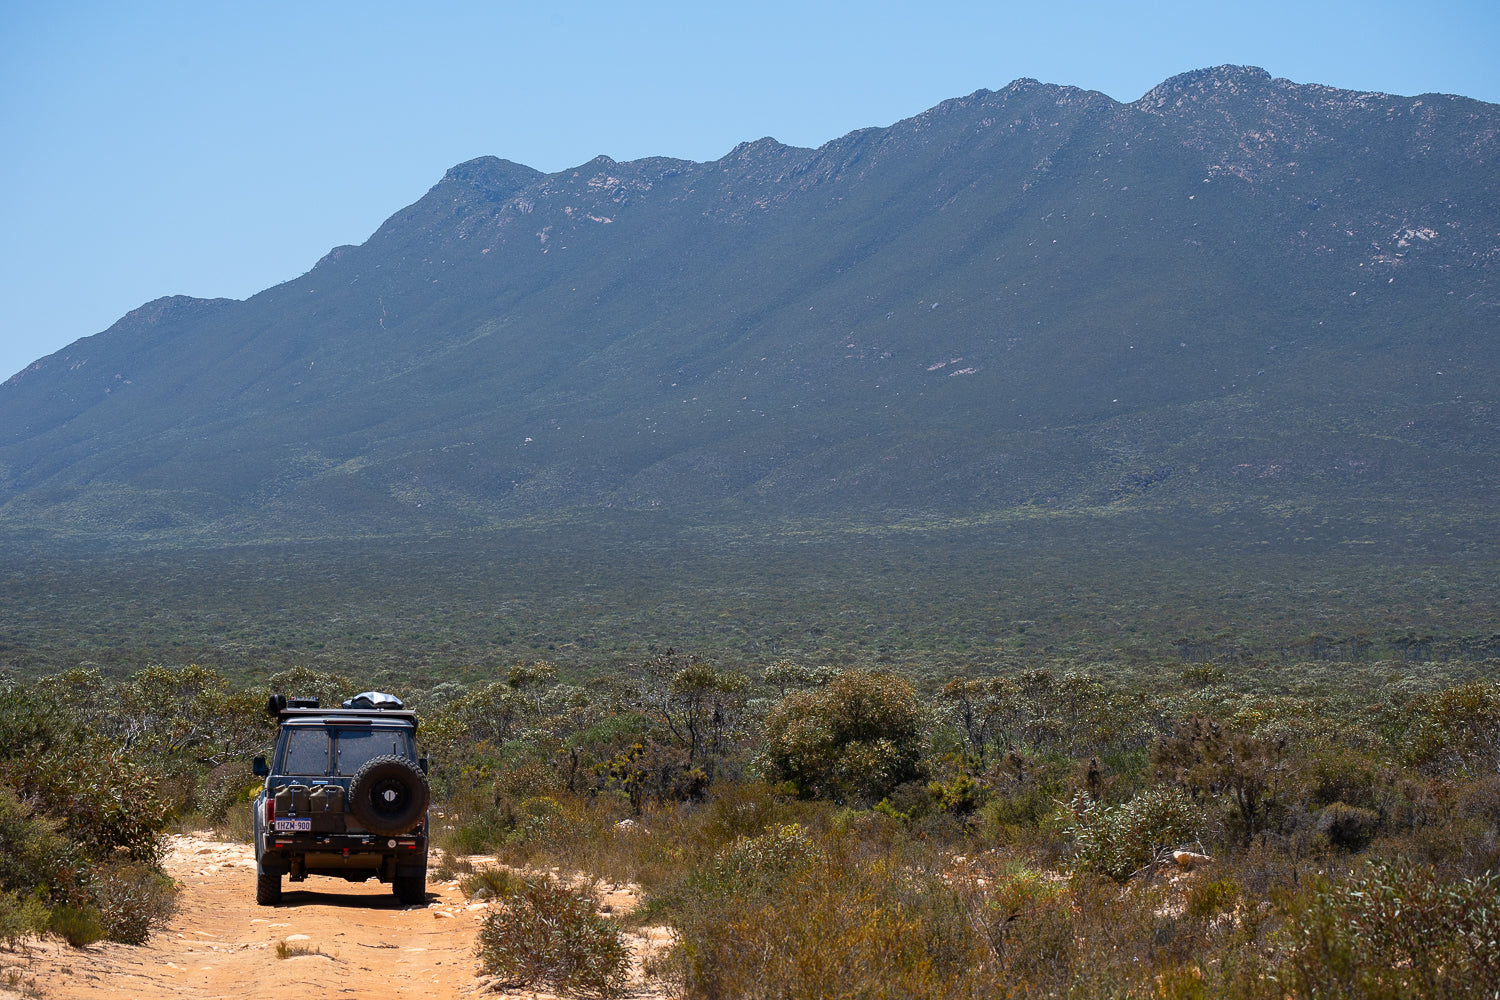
(1188, 860)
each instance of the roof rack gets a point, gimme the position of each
(348, 715)
(362, 706)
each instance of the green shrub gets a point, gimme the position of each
(648, 771)
(532, 826)
(1212, 760)
(87, 868)
(961, 795)
(833, 926)
(491, 883)
(30, 722)
(132, 899)
(1023, 793)
(1455, 731)
(21, 916)
(745, 809)
(1396, 931)
(304, 682)
(1206, 900)
(853, 741)
(32, 853)
(78, 925)
(1201, 674)
(227, 792)
(1117, 841)
(535, 819)
(771, 857)
(105, 802)
(1348, 827)
(547, 934)
(480, 835)
(451, 866)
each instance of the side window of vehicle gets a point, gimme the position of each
(306, 752)
(357, 746)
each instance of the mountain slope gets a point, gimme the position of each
(1236, 289)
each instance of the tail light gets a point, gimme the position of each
(270, 812)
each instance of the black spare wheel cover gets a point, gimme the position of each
(388, 795)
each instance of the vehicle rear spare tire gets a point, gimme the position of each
(388, 795)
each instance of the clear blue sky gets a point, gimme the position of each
(215, 149)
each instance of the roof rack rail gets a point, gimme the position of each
(279, 703)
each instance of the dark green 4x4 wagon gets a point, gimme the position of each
(345, 796)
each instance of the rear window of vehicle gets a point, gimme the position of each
(356, 746)
(310, 750)
(306, 752)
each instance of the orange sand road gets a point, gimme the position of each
(221, 945)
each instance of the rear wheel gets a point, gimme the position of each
(267, 889)
(410, 888)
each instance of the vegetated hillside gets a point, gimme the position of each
(1236, 290)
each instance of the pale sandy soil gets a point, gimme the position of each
(364, 943)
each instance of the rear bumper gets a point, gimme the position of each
(359, 856)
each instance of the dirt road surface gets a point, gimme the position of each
(346, 941)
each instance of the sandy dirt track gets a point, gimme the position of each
(362, 943)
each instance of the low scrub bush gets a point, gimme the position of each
(32, 853)
(1117, 841)
(22, 915)
(479, 835)
(1348, 827)
(842, 934)
(651, 772)
(1454, 731)
(575, 832)
(752, 866)
(853, 741)
(451, 866)
(1207, 900)
(106, 802)
(296, 949)
(132, 900)
(536, 821)
(745, 809)
(781, 915)
(228, 791)
(491, 883)
(549, 935)
(1213, 760)
(1394, 930)
(78, 925)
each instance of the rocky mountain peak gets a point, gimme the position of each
(1213, 83)
(491, 176)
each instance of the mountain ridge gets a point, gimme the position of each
(943, 315)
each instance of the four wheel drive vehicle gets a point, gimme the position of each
(345, 796)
